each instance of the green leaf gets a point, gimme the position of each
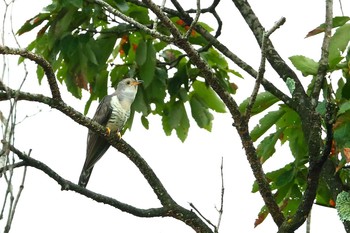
(175, 117)
(103, 47)
(90, 54)
(263, 101)
(338, 44)
(145, 122)
(200, 112)
(291, 85)
(118, 73)
(273, 176)
(345, 91)
(148, 68)
(141, 53)
(344, 107)
(267, 146)
(214, 59)
(341, 132)
(209, 96)
(140, 104)
(33, 23)
(76, 3)
(156, 91)
(88, 103)
(343, 206)
(293, 133)
(40, 73)
(139, 13)
(205, 26)
(336, 22)
(285, 177)
(72, 86)
(100, 88)
(305, 65)
(265, 123)
(182, 129)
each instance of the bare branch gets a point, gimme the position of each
(261, 70)
(202, 216)
(50, 74)
(198, 12)
(117, 13)
(241, 125)
(15, 203)
(68, 185)
(172, 208)
(323, 62)
(221, 210)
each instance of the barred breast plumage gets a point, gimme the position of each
(112, 112)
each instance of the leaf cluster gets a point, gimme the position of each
(90, 50)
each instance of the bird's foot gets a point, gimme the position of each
(108, 131)
(119, 135)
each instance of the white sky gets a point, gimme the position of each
(190, 171)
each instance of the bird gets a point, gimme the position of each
(112, 112)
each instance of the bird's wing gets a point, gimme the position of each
(97, 145)
(104, 111)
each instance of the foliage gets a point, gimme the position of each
(343, 206)
(92, 49)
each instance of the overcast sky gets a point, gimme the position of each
(190, 171)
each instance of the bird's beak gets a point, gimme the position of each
(136, 82)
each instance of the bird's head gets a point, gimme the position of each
(127, 88)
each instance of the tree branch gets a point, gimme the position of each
(50, 74)
(198, 12)
(228, 53)
(241, 124)
(272, 55)
(261, 70)
(117, 13)
(68, 185)
(323, 62)
(170, 206)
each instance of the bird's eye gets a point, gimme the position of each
(128, 82)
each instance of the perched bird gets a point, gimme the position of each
(112, 112)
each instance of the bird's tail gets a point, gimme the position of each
(84, 177)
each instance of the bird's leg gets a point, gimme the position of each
(119, 135)
(108, 131)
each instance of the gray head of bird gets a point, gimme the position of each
(127, 89)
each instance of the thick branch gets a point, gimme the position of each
(117, 13)
(228, 53)
(323, 63)
(169, 205)
(311, 123)
(261, 70)
(272, 55)
(121, 145)
(50, 74)
(240, 123)
(68, 185)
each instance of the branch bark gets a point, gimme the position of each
(170, 207)
(239, 121)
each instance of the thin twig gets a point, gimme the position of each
(50, 74)
(155, 24)
(323, 62)
(241, 125)
(221, 210)
(120, 15)
(194, 22)
(16, 200)
(261, 70)
(202, 216)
